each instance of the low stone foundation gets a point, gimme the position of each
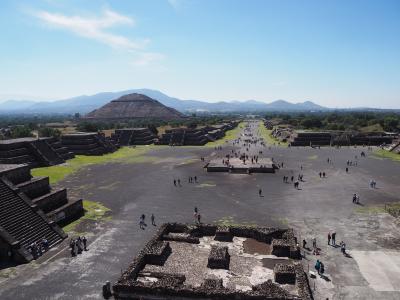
(219, 258)
(285, 274)
(159, 272)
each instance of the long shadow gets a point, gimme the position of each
(7, 264)
(326, 278)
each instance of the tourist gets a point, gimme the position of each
(318, 266)
(79, 245)
(195, 179)
(329, 238)
(334, 238)
(321, 269)
(320, 174)
(179, 182)
(343, 247)
(260, 192)
(354, 198)
(314, 243)
(199, 218)
(347, 170)
(45, 244)
(153, 220)
(84, 240)
(174, 182)
(323, 174)
(304, 243)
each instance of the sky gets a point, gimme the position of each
(335, 53)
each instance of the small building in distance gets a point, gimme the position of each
(88, 143)
(195, 136)
(134, 136)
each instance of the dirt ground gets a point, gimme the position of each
(321, 205)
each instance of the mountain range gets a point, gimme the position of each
(84, 104)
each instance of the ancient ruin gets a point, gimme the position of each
(327, 138)
(237, 165)
(34, 152)
(30, 210)
(191, 261)
(134, 106)
(134, 136)
(195, 136)
(88, 143)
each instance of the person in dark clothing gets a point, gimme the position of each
(318, 266)
(84, 240)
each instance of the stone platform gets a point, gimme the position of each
(235, 165)
(215, 270)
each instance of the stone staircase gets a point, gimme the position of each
(23, 221)
(35, 152)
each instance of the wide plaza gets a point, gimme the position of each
(317, 207)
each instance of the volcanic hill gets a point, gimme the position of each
(135, 106)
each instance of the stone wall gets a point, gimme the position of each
(171, 286)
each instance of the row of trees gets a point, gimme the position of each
(387, 121)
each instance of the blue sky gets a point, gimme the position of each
(336, 53)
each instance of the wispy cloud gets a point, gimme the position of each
(99, 29)
(176, 4)
(94, 27)
(147, 58)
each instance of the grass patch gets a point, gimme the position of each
(312, 157)
(123, 155)
(371, 209)
(230, 135)
(266, 134)
(94, 211)
(229, 221)
(381, 153)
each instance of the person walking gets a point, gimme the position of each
(318, 266)
(260, 192)
(329, 238)
(334, 238)
(153, 220)
(84, 240)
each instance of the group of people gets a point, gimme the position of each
(356, 199)
(351, 163)
(192, 179)
(38, 248)
(372, 184)
(78, 245)
(322, 174)
(142, 223)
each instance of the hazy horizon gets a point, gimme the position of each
(337, 54)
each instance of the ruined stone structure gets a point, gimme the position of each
(305, 138)
(134, 106)
(196, 258)
(133, 136)
(333, 138)
(31, 210)
(87, 143)
(34, 152)
(195, 137)
(236, 165)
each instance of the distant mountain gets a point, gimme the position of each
(84, 104)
